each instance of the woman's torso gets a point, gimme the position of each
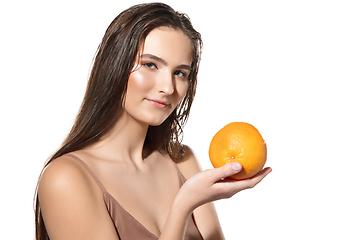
(138, 200)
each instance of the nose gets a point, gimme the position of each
(166, 83)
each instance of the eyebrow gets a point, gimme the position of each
(183, 66)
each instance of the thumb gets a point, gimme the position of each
(227, 170)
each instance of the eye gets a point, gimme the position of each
(180, 74)
(150, 65)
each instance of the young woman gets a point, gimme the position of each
(121, 172)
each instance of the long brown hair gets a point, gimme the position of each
(113, 63)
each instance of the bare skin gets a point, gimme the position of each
(71, 201)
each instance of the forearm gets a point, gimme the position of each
(208, 223)
(176, 223)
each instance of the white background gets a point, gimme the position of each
(290, 68)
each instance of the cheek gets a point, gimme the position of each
(139, 82)
(182, 89)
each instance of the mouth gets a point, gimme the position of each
(158, 103)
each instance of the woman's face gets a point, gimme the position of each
(160, 77)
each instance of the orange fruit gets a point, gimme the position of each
(242, 142)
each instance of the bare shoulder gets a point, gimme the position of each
(189, 165)
(61, 171)
(71, 202)
(63, 175)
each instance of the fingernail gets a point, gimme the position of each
(236, 166)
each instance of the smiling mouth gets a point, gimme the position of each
(158, 104)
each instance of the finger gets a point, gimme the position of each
(237, 185)
(228, 187)
(259, 177)
(263, 173)
(226, 170)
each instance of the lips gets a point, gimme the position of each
(158, 103)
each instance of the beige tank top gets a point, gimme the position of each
(127, 227)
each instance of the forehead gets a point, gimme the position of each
(169, 44)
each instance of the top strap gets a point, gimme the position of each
(89, 170)
(182, 178)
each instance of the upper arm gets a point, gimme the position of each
(71, 203)
(206, 218)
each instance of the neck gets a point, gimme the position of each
(124, 142)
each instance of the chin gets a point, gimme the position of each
(156, 123)
(152, 119)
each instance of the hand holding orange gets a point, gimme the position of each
(241, 142)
